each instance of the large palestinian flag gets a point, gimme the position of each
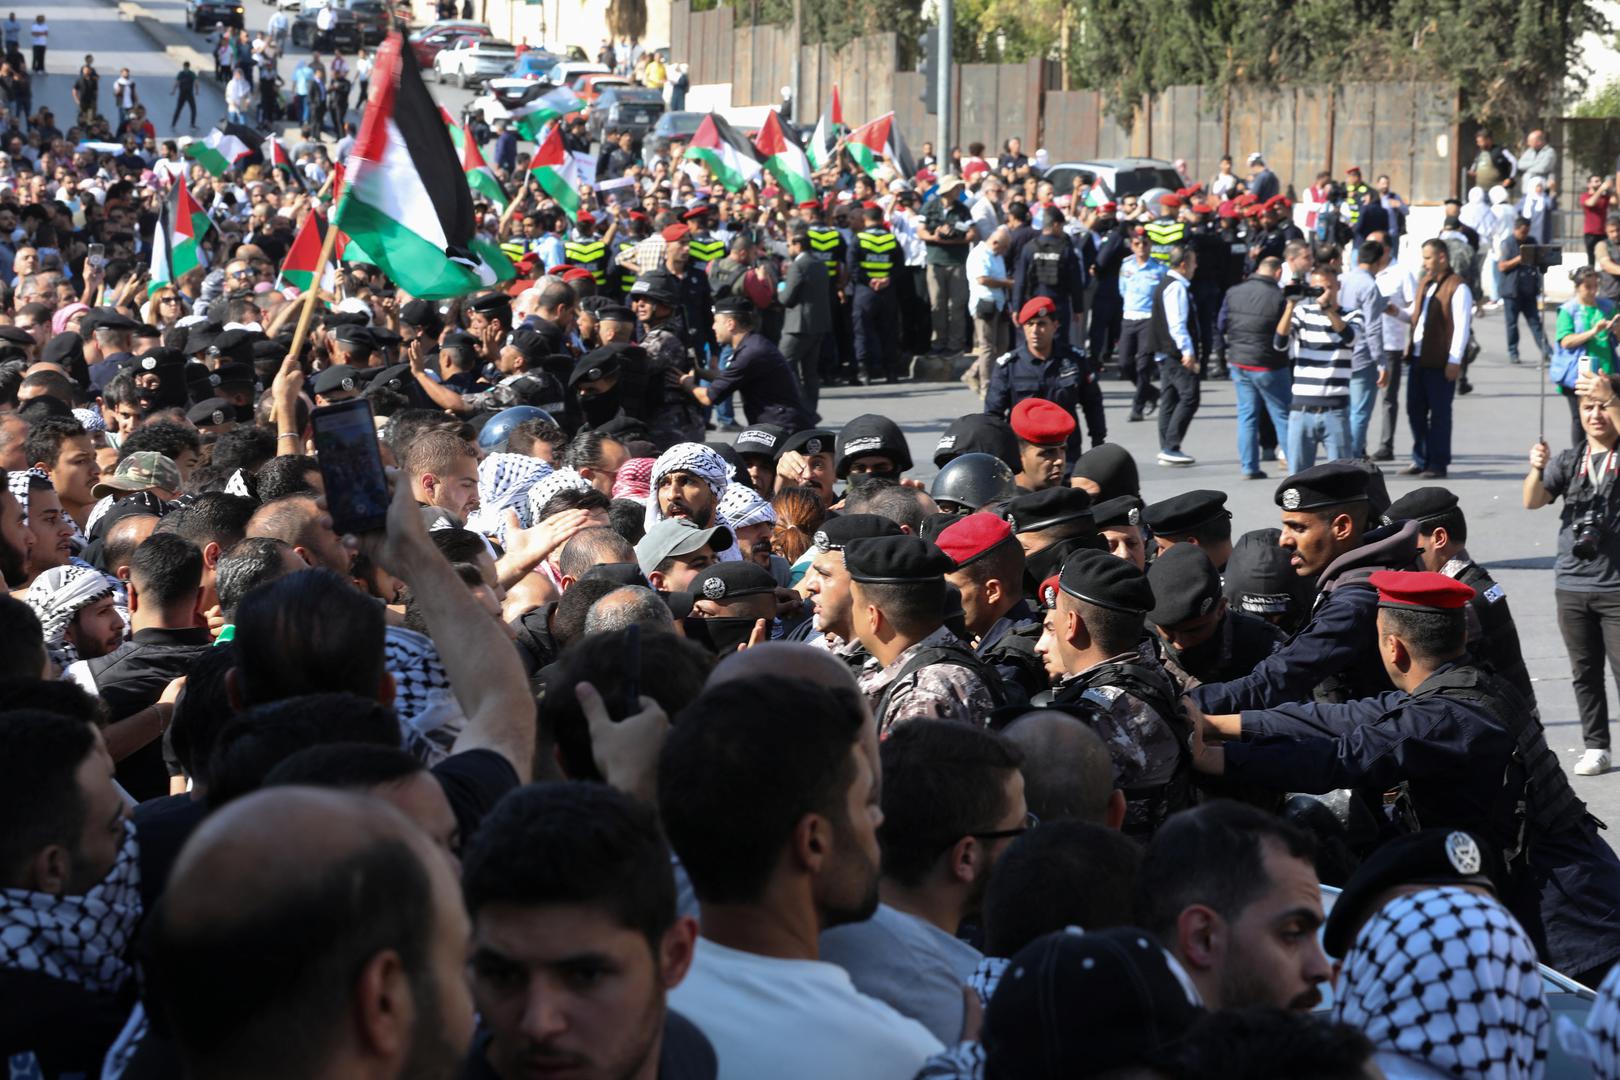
(871, 142)
(217, 152)
(541, 104)
(174, 241)
(405, 200)
(480, 177)
(729, 156)
(557, 172)
(784, 160)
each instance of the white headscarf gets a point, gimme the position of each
(1447, 977)
(541, 491)
(1477, 215)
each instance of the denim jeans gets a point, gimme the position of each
(1363, 399)
(1257, 390)
(1306, 429)
(1513, 307)
(1428, 406)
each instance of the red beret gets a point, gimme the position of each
(585, 217)
(1036, 307)
(1048, 593)
(695, 213)
(1353, 169)
(1108, 208)
(1420, 590)
(519, 285)
(809, 204)
(1227, 209)
(1170, 202)
(676, 232)
(637, 215)
(1248, 198)
(973, 536)
(1042, 422)
(575, 273)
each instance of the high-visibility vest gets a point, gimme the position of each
(1353, 194)
(1164, 234)
(824, 243)
(591, 254)
(627, 277)
(880, 252)
(705, 249)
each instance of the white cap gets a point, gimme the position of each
(1256, 159)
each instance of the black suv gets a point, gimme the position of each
(344, 34)
(207, 14)
(373, 20)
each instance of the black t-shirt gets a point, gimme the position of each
(87, 86)
(1565, 475)
(474, 781)
(186, 80)
(685, 1054)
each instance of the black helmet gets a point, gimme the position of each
(492, 438)
(977, 433)
(973, 481)
(872, 434)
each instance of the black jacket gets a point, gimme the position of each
(133, 677)
(1248, 321)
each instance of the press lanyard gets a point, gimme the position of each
(1605, 472)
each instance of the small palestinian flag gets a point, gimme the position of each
(540, 105)
(174, 242)
(405, 201)
(879, 139)
(784, 160)
(557, 172)
(275, 155)
(729, 156)
(825, 137)
(218, 152)
(480, 177)
(298, 269)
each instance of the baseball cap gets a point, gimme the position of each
(141, 470)
(677, 536)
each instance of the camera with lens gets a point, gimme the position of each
(1588, 531)
(1302, 289)
(946, 230)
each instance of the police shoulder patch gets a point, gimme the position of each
(1494, 593)
(1002, 360)
(1104, 695)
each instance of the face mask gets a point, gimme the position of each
(722, 636)
(600, 408)
(1202, 657)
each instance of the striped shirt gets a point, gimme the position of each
(1322, 356)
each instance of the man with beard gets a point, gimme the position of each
(576, 941)
(757, 370)
(1232, 893)
(1200, 638)
(51, 530)
(832, 622)
(343, 923)
(1043, 430)
(16, 538)
(769, 793)
(78, 612)
(687, 481)
(953, 799)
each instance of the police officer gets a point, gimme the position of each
(1000, 623)
(1324, 527)
(875, 260)
(654, 299)
(1039, 367)
(1167, 230)
(1199, 637)
(972, 482)
(1091, 628)
(758, 446)
(1209, 282)
(1442, 534)
(1193, 517)
(1112, 242)
(696, 298)
(1461, 749)
(704, 245)
(1050, 526)
(1048, 266)
(1119, 523)
(873, 445)
(831, 625)
(918, 667)
(584, 247)
(976, 433)
(1045, 431)
(1355, 194)
(826, 242)
(1259, 580)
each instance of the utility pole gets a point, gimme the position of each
(942, 144)
(793, 66)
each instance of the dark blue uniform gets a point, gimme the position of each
(875, 259)
(1009, 647)
(770, 391)
(1060, 379)
(1048, 266)
(1106, 304)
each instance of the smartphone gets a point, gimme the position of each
(97, 256)
(351, 466)
(631, 666)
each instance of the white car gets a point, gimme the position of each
(473, 60)
(290, 5)
(569, 70)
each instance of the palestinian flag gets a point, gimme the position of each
(275, 155)
(298, 269)
(825, 138)
(557, 172)
(880, 138)
(729, 156)
(539, 106)
(405, 200)
(218, 152)
(480, 177)
(174, 243)
(784, 160)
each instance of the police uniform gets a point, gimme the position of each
(1186, 585)
(1065, 515)
(834, 535)
(1354, 193)
(679, 419)
(1335, 655)
(1166, 231)
(758, 371)
(1138, 711)
(1495, 640)
(976, 433)
(1049, 267)
(704, 246)
(1463, 751)
(1209, 285)
(875, 260)
(1065, 378)
(1008, 644)
(936, 678)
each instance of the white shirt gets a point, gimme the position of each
(124, 91)
(795, 1020)
(982, 262)
(1398, 284)
(169, 171)
(39, 32)
(903, 223)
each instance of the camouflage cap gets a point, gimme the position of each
(140, 471)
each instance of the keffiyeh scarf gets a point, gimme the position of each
(1598, 1043)
(430, 717)
(543, 489)
(1447, 977)
(78, 939)
(701, 461)
(59, 594)
(742, 506)
(504, 481)
(632, 481)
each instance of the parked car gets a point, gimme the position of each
(1119, 176)
(472, 59)
(671, 126)
(344, 34)
(427, 42)
(373, 18)
(569, 70)
(533, 64)
(589, 87)
(624, 108)
(206, 14)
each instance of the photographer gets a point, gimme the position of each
(947, 230)
(1587, 572)
(1319, 337)
(1520, 283)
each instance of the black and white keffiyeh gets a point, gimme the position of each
(1447, 977)
(702, 461)
(430, 717)
(79, 939)
(59, 594)
(90, 419)
(742, 506)
(1598, 1043)
(20, 480)
(542, 490)
(504, 481)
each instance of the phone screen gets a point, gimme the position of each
(351, 466)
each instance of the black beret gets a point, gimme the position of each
(396, 378)
(724, 580)
(1036, 510)
(1422, 503)
(491, 303)
(201, 336)
(837, 533)
(1118, 512)
(615, 313)
(147, 330)
(269, 350)
(525, 339)
(355, 336)
(152, 359)
(761, 439)
(1111, 467)
(809, 443)
(1323, 485)
(735, 304)
(872, 434)
(383, 337)
(234, 375)
(65, 348)
(1429, 857)
(334, 319)
(1185, 512)
(16, 336)
(459, 339)
(236, 343)
(108, 319)
(978, 433)
(597, 364)
(1185, 585)
(214, 410)
(896, 560)
(338, 377)
(419, 313)
(1106, 580)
